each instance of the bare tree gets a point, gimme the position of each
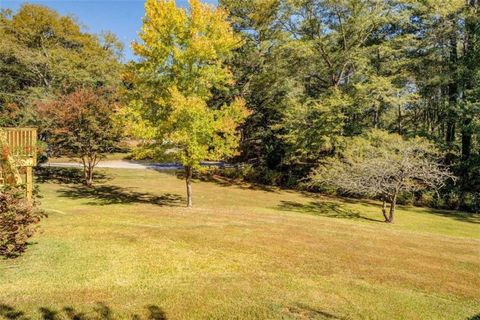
(383, 165)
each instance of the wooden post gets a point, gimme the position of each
(29, 183)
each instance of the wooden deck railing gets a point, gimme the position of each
(22, 143)
(21, 152)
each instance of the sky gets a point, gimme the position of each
(122, 17)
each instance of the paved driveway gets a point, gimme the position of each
(126, 164)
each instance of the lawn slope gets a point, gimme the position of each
(128, 249)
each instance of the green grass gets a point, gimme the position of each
(128, 249)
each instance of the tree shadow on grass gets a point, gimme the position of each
(302, 311)
(324, 209)
(8, 312)
(469, 217)
(108, 194)
(65, 175)
(475, 317)
(227, 182)
(100, 312)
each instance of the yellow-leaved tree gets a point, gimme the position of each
(182, 54)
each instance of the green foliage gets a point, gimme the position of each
(192, 132)
(183, 54)
(315, 72)
(44, 54)
(378, 163)
(314, 129)
(19, 220)
(182, 63)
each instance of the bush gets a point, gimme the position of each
(471, 202)
(428, 199)
(19, 220)
(406, 198)
(237, 172)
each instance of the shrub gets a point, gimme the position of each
(428, 199)
(406, 198)
(452, 200)
(19, 220)
(470, 202)
(239, 172)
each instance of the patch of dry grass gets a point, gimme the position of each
(129, 248)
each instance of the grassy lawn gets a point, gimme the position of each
(128, 249)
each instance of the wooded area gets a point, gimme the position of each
(313, 75)
(318, 72)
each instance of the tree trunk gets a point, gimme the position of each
(87, 172)
(188, 180)
(90, 176)
(450, 135)
(472, 24)
(452, 89)
(393, 204)
(384, 210)
(466, 139)
(399, 119)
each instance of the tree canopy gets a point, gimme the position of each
(315, 72)
(44, 54)
(82, 125)
(182, 63)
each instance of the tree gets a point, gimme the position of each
(82, 124)
(268, 75)
(383, 165)
(313, 71)
(43, 55)
(182, 63)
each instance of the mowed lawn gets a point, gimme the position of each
(128, 249)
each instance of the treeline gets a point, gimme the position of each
(313, 73)
(61, 79)
(317, 71)
(44, 55)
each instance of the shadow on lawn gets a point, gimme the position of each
(65, 175)
(302, 311)
(325, 209)
(469, 217)
(100, 312)
(108, 194)
(226, 182)
(475, 317)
